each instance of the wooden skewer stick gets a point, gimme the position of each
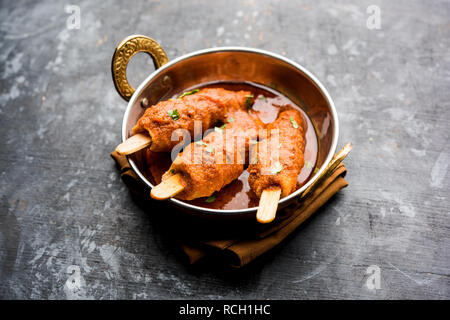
(268, 205)
(168, 188)
(135, 143)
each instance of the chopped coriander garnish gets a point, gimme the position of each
(188, 93)
(209, 149)
(308, 164)
(223, 126)
(248, 101)
(230, 119)
(277, 168)
(294, 123)
(263, 98)
(174, 114)
(210, 199)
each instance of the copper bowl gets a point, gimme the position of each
(238, 64)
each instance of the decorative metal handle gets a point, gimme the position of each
(335, 161)
(125, 50)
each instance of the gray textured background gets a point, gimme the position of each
(65, 215)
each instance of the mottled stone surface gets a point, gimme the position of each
(69, 228)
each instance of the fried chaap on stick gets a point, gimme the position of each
(207, 166)
(277, 161)
(206, 106)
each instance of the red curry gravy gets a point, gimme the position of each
(238, 195)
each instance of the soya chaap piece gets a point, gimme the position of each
(208, 106)
(207, 166)
(276, 162)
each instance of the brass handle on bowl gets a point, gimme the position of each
(335, 161)
(125, 50)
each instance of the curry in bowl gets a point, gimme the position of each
(256, 108)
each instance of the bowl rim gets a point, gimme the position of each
(307, 73)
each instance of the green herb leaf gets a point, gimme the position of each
(248, 101)
(230, 119)
(210, 199)
(308, 164)
(188, 93)
(174, 114)
(277, 168)
(294, 123)
(209, 149)
(201, 143)
(263, 98)
(223, 126)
